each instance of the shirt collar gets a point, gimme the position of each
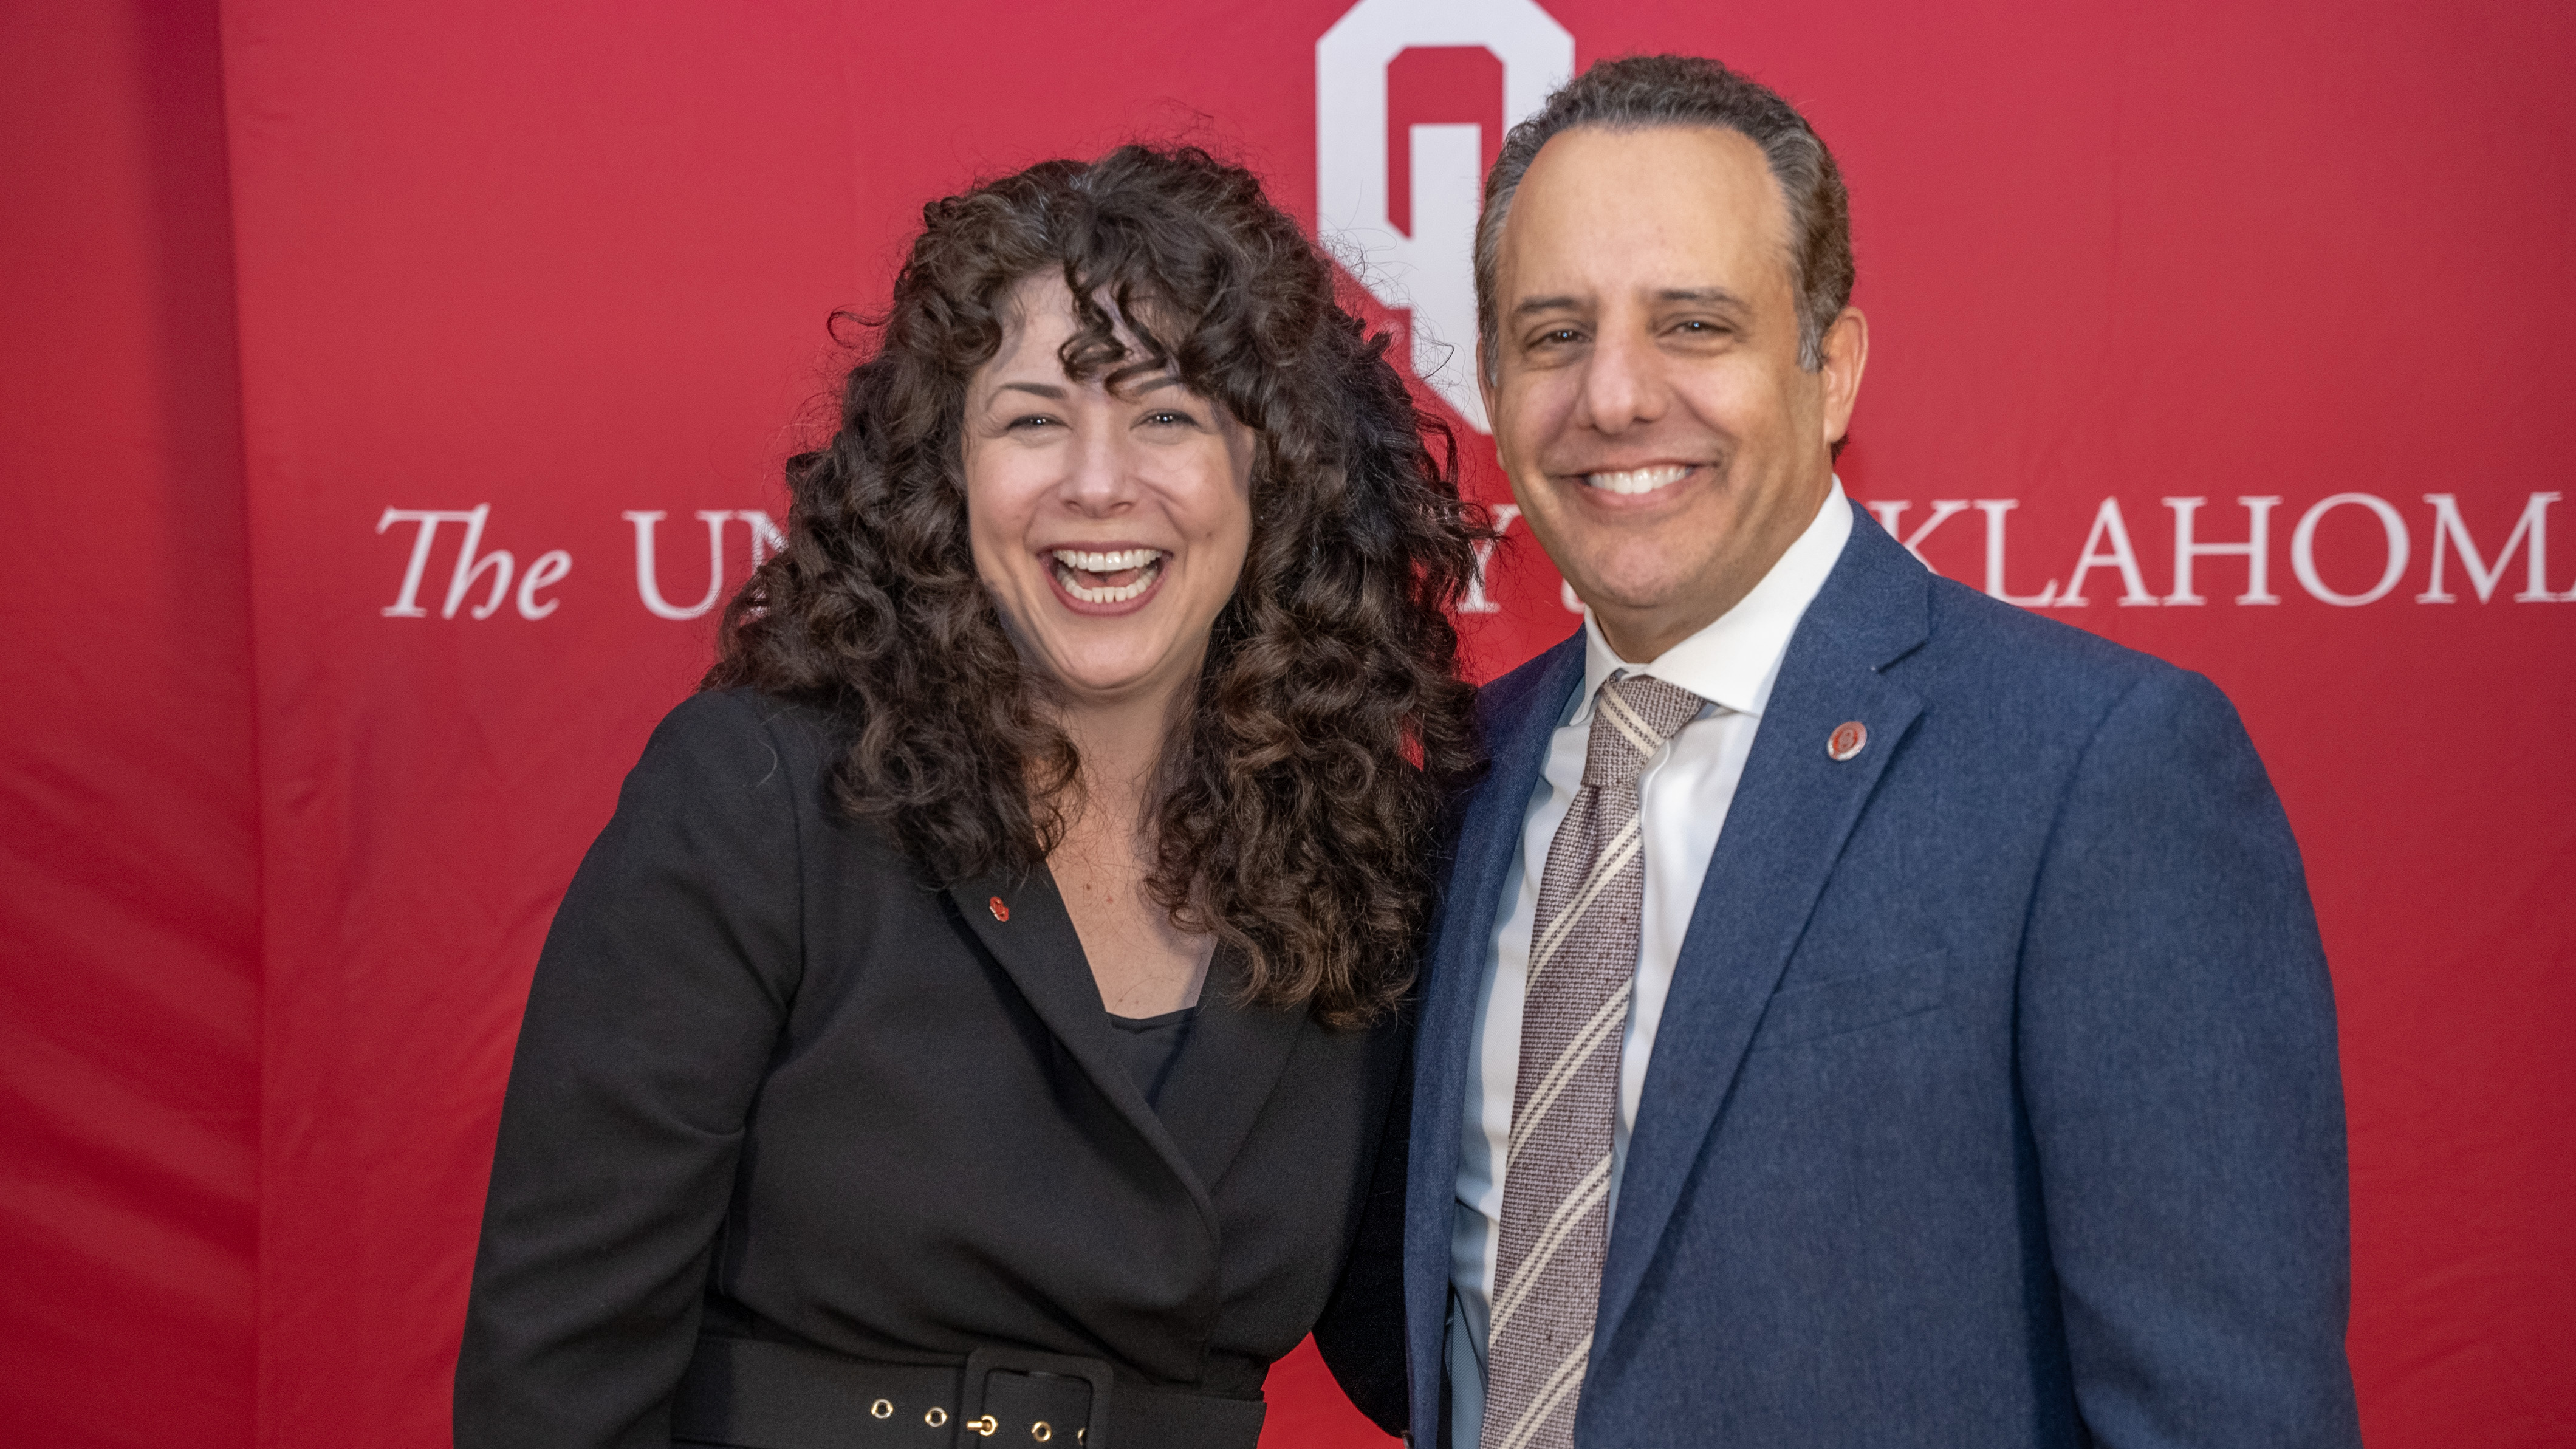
(1734, 661)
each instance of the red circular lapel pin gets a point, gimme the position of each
(1000, 912)
(1847, 740)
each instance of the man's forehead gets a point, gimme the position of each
(1656, 211)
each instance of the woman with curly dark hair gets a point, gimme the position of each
(983, 1016)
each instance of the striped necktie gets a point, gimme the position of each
(1556, 1173)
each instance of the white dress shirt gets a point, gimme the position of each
(1683, 799)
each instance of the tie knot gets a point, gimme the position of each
(1632, 716)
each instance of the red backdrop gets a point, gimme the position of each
(282, 835)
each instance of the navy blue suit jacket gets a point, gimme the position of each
(1995, 1102)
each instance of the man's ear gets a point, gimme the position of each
(1485, 380)
(1846, 345)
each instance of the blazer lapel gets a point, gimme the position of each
(1517, 729)
(1227, 1070)
(1023, 923)
(1792, 811)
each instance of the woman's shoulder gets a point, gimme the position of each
(731, 742)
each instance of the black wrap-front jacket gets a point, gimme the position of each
(774, 1084)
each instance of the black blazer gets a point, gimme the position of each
(772, 1083)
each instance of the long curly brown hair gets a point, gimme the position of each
(1296, 811)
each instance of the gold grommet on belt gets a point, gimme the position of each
(985, 1425)
(936, 1417)
(881, 1409)
(1040, 1431)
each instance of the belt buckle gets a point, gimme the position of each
(984, 1362)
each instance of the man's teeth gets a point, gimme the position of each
(1106, 563)
(1637, 480)
(1071, 564)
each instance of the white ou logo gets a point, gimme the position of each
(1430, 271)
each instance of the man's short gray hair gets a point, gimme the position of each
(1646, 92)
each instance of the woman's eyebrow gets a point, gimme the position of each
(1042, 389)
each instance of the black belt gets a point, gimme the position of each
(749, 1394)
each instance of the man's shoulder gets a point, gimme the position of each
(1942, 636)
(1985, 643)
(2009, 673)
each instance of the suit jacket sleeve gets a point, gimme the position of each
(2177, 1050)
(655, 1007)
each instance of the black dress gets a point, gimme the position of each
(1150, 1046)
(800, 1147)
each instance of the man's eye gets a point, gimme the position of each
(1032, 421)
(1559, 337)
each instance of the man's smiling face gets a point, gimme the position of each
(1648, 405)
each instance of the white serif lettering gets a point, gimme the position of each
(2108, 527)
(471, 564)
(2256, 549)
(2303, 549)
(1476, 602)
(648, 580)
(2450, 531)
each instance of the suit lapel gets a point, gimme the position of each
(1793, 809)
(1023, 923)
(1517, 730)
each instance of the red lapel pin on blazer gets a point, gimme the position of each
(1000, 912)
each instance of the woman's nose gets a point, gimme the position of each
(1102, 478)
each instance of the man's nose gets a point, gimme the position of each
(1101, 480)
(1623, 382)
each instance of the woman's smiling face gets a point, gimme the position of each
(1111, 527)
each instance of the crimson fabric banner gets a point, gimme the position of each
(129, 870)
(2230, 332)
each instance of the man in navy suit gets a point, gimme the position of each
(1861, 1013)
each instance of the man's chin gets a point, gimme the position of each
(1642, 577)
(1633, 598)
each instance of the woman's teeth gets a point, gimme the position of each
(1114, 594)
(1106, 563)
(1637, 480)
(1094, 577)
